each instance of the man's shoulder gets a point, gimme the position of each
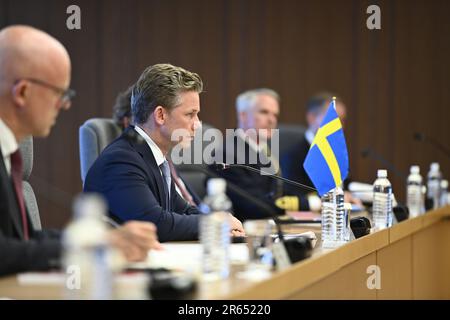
(119, 151)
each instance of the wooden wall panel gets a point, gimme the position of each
(394, 80)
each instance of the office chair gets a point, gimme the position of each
(94, 135)
(290, 136)
(26, 149)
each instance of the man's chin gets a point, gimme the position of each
(43, 133)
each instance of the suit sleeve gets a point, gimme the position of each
(33, 255)
(121, 179)
(254, 185)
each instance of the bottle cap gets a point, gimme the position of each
(216, 186)
(382, 173)
(415, 169)
(89, 205)
(434, 167)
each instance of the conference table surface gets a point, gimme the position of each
(412, 266)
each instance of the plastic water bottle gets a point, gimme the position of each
(333, 219)
(349, 236)
(87, 255)
(215, 231)
(414, 192)
(434, 184)
(382, 201)
(424, 196)
(444, 193)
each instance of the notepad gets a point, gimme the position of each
(187, 257)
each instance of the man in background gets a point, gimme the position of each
(257, 115)
(292, 161)
(34, 87)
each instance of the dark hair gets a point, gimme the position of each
(122, 107)
(318, 101)
(160, 85)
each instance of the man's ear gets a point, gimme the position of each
(160, 115)
(19, 93)
(243, 117)
(310, 119)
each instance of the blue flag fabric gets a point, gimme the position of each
(327, 160)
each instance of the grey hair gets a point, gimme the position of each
(247, 99)
(160, 85)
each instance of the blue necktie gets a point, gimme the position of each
(165, 169)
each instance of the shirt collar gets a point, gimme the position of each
(252, 144)
(309, 135)
(8, 141)
(157, 153)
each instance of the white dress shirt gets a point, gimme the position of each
(8, 145)
(157, 153)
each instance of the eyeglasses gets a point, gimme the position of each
(66, 95)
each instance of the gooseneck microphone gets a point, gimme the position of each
(370, 153)
(296, 248)
(225, 166)
(418, 136)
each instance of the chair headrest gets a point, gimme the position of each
(26, 148)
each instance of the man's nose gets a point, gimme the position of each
(272, 121)
(197, 124)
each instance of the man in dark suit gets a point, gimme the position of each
(133, 173)
(258, 112)
(122, 117)
(34, 80)
(292, 160)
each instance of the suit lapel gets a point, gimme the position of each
(144, 150)
(10, 196)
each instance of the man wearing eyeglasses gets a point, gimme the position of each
(34, 80)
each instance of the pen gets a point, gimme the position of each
(110, 221)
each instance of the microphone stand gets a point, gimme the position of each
(436, 144)
(294, 183)
(368, 152)
(297, 248)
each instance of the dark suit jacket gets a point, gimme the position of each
(127, 175)
(291, 163)
(262, 187)
(41, 252)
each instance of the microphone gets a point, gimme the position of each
(370, 153)
(225, 166)
(418, 136)
(297, 248)
(354, 222)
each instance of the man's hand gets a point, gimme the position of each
(134, 239)
(236, 228)
(348, 197)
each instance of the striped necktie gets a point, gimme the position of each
(165, 169)
(16, 175)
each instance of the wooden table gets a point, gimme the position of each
(411, 260)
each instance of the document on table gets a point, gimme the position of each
(187, 257)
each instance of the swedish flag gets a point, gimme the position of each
(327, 160)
